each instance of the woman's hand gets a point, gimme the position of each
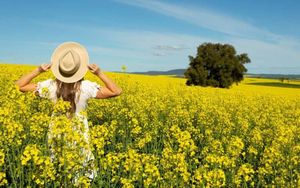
(44, 67)
(24, 82)
(94, 69)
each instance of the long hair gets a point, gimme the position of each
(67, 91)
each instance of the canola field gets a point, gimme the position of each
(157, 133)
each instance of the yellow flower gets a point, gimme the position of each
(244, 174)
(158, 133)
(3, 180)
(83, 182)
(215, 178)
(126, 183)
(2, 157)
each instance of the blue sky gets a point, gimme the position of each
(152, 34)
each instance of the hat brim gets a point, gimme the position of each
(60, 51)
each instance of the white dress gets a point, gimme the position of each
(88, 90)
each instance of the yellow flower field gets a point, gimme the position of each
(158, 133)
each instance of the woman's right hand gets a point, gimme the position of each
(94, 69)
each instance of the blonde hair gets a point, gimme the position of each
(67, 91)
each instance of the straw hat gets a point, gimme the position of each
(69, 62)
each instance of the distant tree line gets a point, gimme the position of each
(282, 79)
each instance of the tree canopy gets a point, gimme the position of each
(216, 65)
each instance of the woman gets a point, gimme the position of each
(69, 65)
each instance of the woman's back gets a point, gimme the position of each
(86, 91)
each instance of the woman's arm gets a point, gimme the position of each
(24, 82)
(110, 89)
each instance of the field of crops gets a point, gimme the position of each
(158, 133)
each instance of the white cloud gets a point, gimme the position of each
(170, 47)
(159, 54)
(265, 48)
(269, 57)
(177, 48)
(268, 54)
(149, 50)
(204, 17)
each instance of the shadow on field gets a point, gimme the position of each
(275, 84)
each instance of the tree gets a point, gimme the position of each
(216, 65)
(124, 68)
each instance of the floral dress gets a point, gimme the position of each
(88, 90)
